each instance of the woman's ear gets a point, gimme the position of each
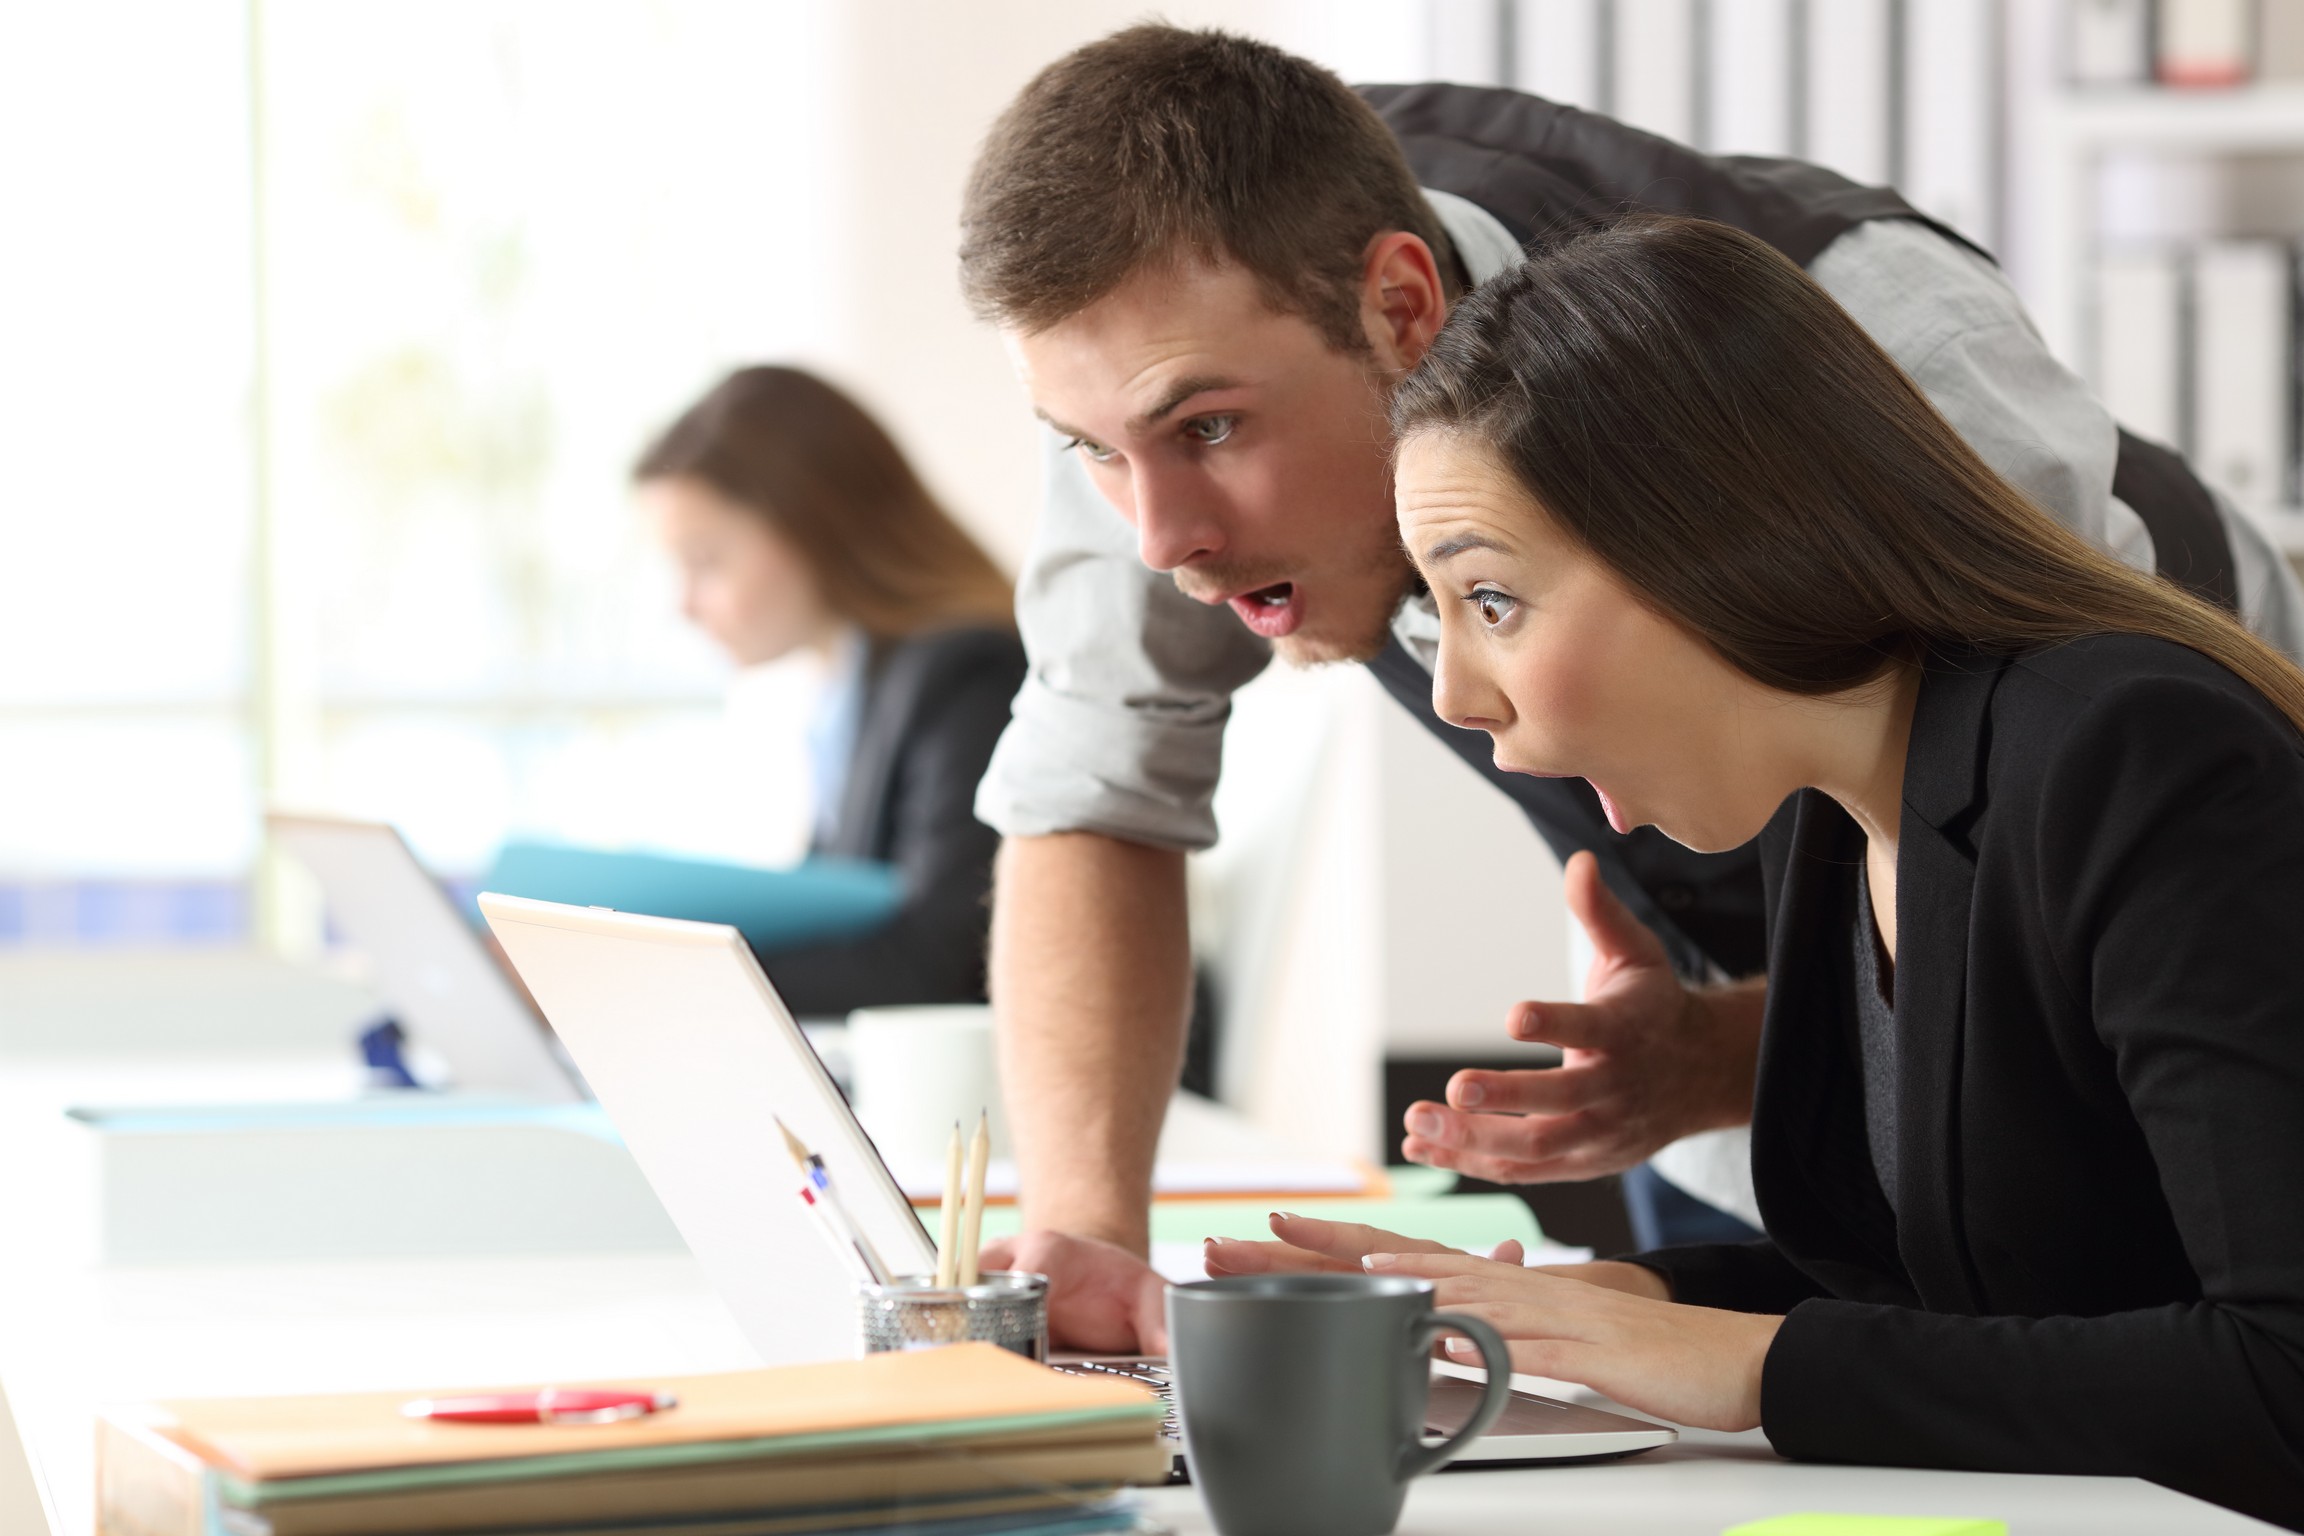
(1402, 300)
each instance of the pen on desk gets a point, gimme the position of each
(553, 1405)
(819, 1196)
(972, 1206)
(948, 1225)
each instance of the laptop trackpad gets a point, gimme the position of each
(1454, 1400)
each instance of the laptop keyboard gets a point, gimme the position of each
(1148, 1373)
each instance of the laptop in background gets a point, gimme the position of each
(682, 1037)
(432, 969)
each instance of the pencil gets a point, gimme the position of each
(972, 1210)
(948, 1232)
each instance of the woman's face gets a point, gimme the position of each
(742, 582)
(1542, 647)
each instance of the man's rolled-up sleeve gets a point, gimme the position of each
(1119, 727)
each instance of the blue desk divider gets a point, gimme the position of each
(820, 900)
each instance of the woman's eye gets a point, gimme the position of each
(1493, 606)
(1096, 452)
(1210, 430)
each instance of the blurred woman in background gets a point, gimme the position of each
(796, 521)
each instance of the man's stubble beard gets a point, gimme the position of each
(1384, 583)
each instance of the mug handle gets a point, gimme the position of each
(1417, 1459)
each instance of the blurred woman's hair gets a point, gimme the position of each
(803, 456)
(1688, 405)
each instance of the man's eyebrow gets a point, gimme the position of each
(1449, 549)
(1177, 393)
(1058, 426)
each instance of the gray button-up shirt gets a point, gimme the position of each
(1119, 726)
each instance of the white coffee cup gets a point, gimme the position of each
(916, 1071)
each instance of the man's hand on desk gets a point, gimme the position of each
(1102, 1298)
(1647, 1060)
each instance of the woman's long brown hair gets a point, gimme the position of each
(792, 449)
(1692, 408)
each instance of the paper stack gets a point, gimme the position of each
(942, 1442)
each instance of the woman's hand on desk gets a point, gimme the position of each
(1609, 1327)
(1646, 1061)
(1309, 1244)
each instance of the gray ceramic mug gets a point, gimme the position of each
(1303, 1397)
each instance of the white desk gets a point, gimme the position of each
(74, 1334)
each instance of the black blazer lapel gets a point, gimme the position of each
(1935, 895)
(1810, 1163)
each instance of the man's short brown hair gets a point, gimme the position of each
(1159, 144)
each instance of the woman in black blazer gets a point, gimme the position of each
(796, 521)
(2028, 1132)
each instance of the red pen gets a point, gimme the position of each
(553, 1405)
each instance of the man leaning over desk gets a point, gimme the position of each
(1210, 261)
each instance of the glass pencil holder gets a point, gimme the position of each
(914, 1312)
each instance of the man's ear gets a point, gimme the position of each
(1402, 301)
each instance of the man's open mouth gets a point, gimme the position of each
(1272, 611)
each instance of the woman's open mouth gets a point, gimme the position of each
(1273, 612)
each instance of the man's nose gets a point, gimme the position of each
(1175, 525)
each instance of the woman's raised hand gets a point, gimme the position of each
(1645, 1061)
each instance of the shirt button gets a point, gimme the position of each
(1675, 897)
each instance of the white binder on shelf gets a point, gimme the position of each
(2240, 367)
(1949, 75)
(1557, 49)
(2108, 42)
(2280, 45)
(2205, 42)
(2136, 351)
(1749, 75)
(1466, 38)
(1849, 56)
(1653, 59)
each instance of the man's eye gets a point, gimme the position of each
(1096, 452)
(1210, 430)
(1493, 606)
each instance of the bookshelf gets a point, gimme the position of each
(2054, 219)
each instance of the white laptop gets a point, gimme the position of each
(429, 965)
(691, 1052)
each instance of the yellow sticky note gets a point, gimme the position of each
(1868, 1525)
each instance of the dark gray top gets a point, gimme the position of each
(1876, 1037)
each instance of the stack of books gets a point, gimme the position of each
(944, 1442)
